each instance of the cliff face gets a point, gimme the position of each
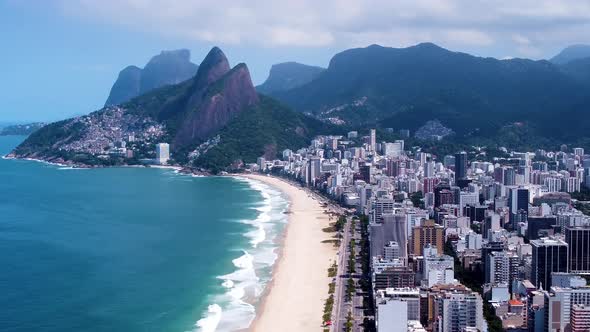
(217, 95)
(287, 76)
(167, 68)
(126, 86)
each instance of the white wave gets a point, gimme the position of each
(257, 236)
(210, 322)
(253, 267)
(227, 284)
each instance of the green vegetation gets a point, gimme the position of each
(21, 129)
(349, 322)
(340, 223)
(328, 307)
(460, 90)
(333, 270)
(350, 290)
(263, 130)
(583, 207)
(329, 304)
(582, 195)
(417, 199)
(40, 142)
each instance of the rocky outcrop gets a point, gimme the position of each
(288, 75)
(218, 94)
(167, 68)
(127, 86)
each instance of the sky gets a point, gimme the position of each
(59, 58)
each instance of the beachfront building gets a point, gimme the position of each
(162, 153)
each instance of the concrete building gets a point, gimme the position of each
(427, 233)
(580, 318)
(162, 153)
(578, 240)
(455, 310)
(549, 255)
(503, 267)
(559, 307)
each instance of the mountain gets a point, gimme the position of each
(169, 67)
(21, 129)
(126, 87)
(288, 75)
(578, 69)
(406, 87)
(571, 53)
(213, 120)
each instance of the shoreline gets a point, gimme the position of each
(294, 294)
(298, 285)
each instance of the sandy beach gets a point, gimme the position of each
(295, 299)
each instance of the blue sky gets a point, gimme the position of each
(59, 58)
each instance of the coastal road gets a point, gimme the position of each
(342, 307)
(340, 310)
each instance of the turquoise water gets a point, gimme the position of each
(131, 249)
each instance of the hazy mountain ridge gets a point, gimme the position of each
(21, 129)
(406, 87)
(288, 75)
(571, 53)
(169, 67)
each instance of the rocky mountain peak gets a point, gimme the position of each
(213, 67)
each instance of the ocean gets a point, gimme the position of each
(132, 249)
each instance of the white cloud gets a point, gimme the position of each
(468, 37)
(524, 26)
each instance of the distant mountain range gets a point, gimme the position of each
(571, 53)
(215, 118)
(406, 87)
(169, 67)
(212, 120)
(20, 129)
(288, 75)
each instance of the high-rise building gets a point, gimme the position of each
(549, 255)
(429, 168)
(460, 165)
(162, 153)
(580, 318)
(373, 141)
(395, 307)
(437, 269)
(381, 206)
(395, 277)
(392, 150)
(395, 225)
(428, 233)
(486, 250)
(429, 184)
(443, 194)
(365, 173)
(578, 240)
(315, 164)
(559, 307)
(503, 267)
(457, 309)
(519, 205)
(391, 251)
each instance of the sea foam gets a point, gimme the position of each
(244, 286)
